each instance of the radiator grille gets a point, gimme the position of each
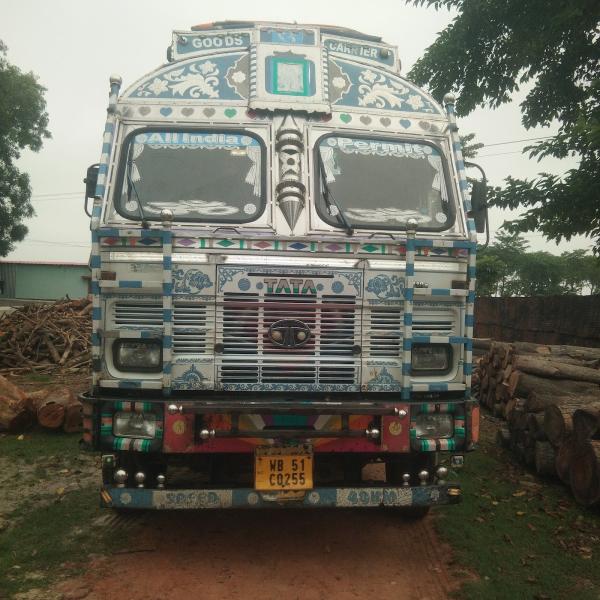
(383, 334)
(384, 329)
(440, 323)
(250, 357)
(192, 323)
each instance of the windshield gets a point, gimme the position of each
(214, 176)
(380, 184)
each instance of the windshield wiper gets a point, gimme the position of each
(330, 200)
(131, 186)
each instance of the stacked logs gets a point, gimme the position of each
(56, 408)
(550, 398)
(44, 338)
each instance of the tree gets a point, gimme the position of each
(492, 49)
(499, 264)
(539, 274)
(23, 124)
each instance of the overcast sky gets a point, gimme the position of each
(74, 45)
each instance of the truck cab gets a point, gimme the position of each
(283, 278)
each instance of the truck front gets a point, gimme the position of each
(283, 279)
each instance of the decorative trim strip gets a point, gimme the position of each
(360, 497)
(429, 248)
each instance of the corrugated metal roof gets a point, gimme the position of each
(41, 262)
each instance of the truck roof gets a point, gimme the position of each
(330, 29)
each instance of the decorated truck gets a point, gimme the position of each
(283, 278)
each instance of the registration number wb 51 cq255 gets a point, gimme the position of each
(289, 468)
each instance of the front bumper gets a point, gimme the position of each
(320, 497)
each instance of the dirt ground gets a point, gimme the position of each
(267, 554)
(292, 554)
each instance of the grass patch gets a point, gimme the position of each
(51, 535)
(523, 537)
(39, 444)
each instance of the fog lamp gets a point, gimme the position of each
(134, 425)
(434, 425)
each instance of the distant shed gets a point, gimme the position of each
(43, 280)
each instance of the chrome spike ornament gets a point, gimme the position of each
(290, 191)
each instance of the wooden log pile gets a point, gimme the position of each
(550, 399)
(52, 408)
(45, 338)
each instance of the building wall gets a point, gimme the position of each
(43, 281)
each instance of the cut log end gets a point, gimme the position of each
(585, 473)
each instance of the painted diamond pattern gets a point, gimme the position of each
(111, 241)
(225, 243)
(370, 248)
(148, 241)
(333, 247)
(298, 246)
(185, 242)
(263, 245)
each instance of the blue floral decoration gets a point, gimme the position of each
(384, 381)
(385, 287)
(190, 281)
(191, 379)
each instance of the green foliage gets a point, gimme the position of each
(469, 149)
(506, 268)
(23, 123)
(492, 49)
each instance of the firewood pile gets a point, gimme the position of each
(550, 398)
(52, 408)
(45, 338)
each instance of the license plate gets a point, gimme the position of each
(283, 468)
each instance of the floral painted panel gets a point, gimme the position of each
(366, 87)
(213, 78)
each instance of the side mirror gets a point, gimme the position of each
(479, 206)
(91, 179)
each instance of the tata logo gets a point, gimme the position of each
(290, 286)
(289, 333)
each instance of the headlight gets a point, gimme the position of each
(431, 357)
(138, 355)
(434, 426)
(134, 425)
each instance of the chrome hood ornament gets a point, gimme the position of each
(290, 191)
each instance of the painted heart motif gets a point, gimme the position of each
(366, 120)
(424, 125)
(230, 113)
(165, 111)
(405, 123)
(385, 121)
(345, 118)
(186, 112)
(434, 128)
(144, 110)
(209, 112)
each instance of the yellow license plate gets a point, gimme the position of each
(283, 468)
